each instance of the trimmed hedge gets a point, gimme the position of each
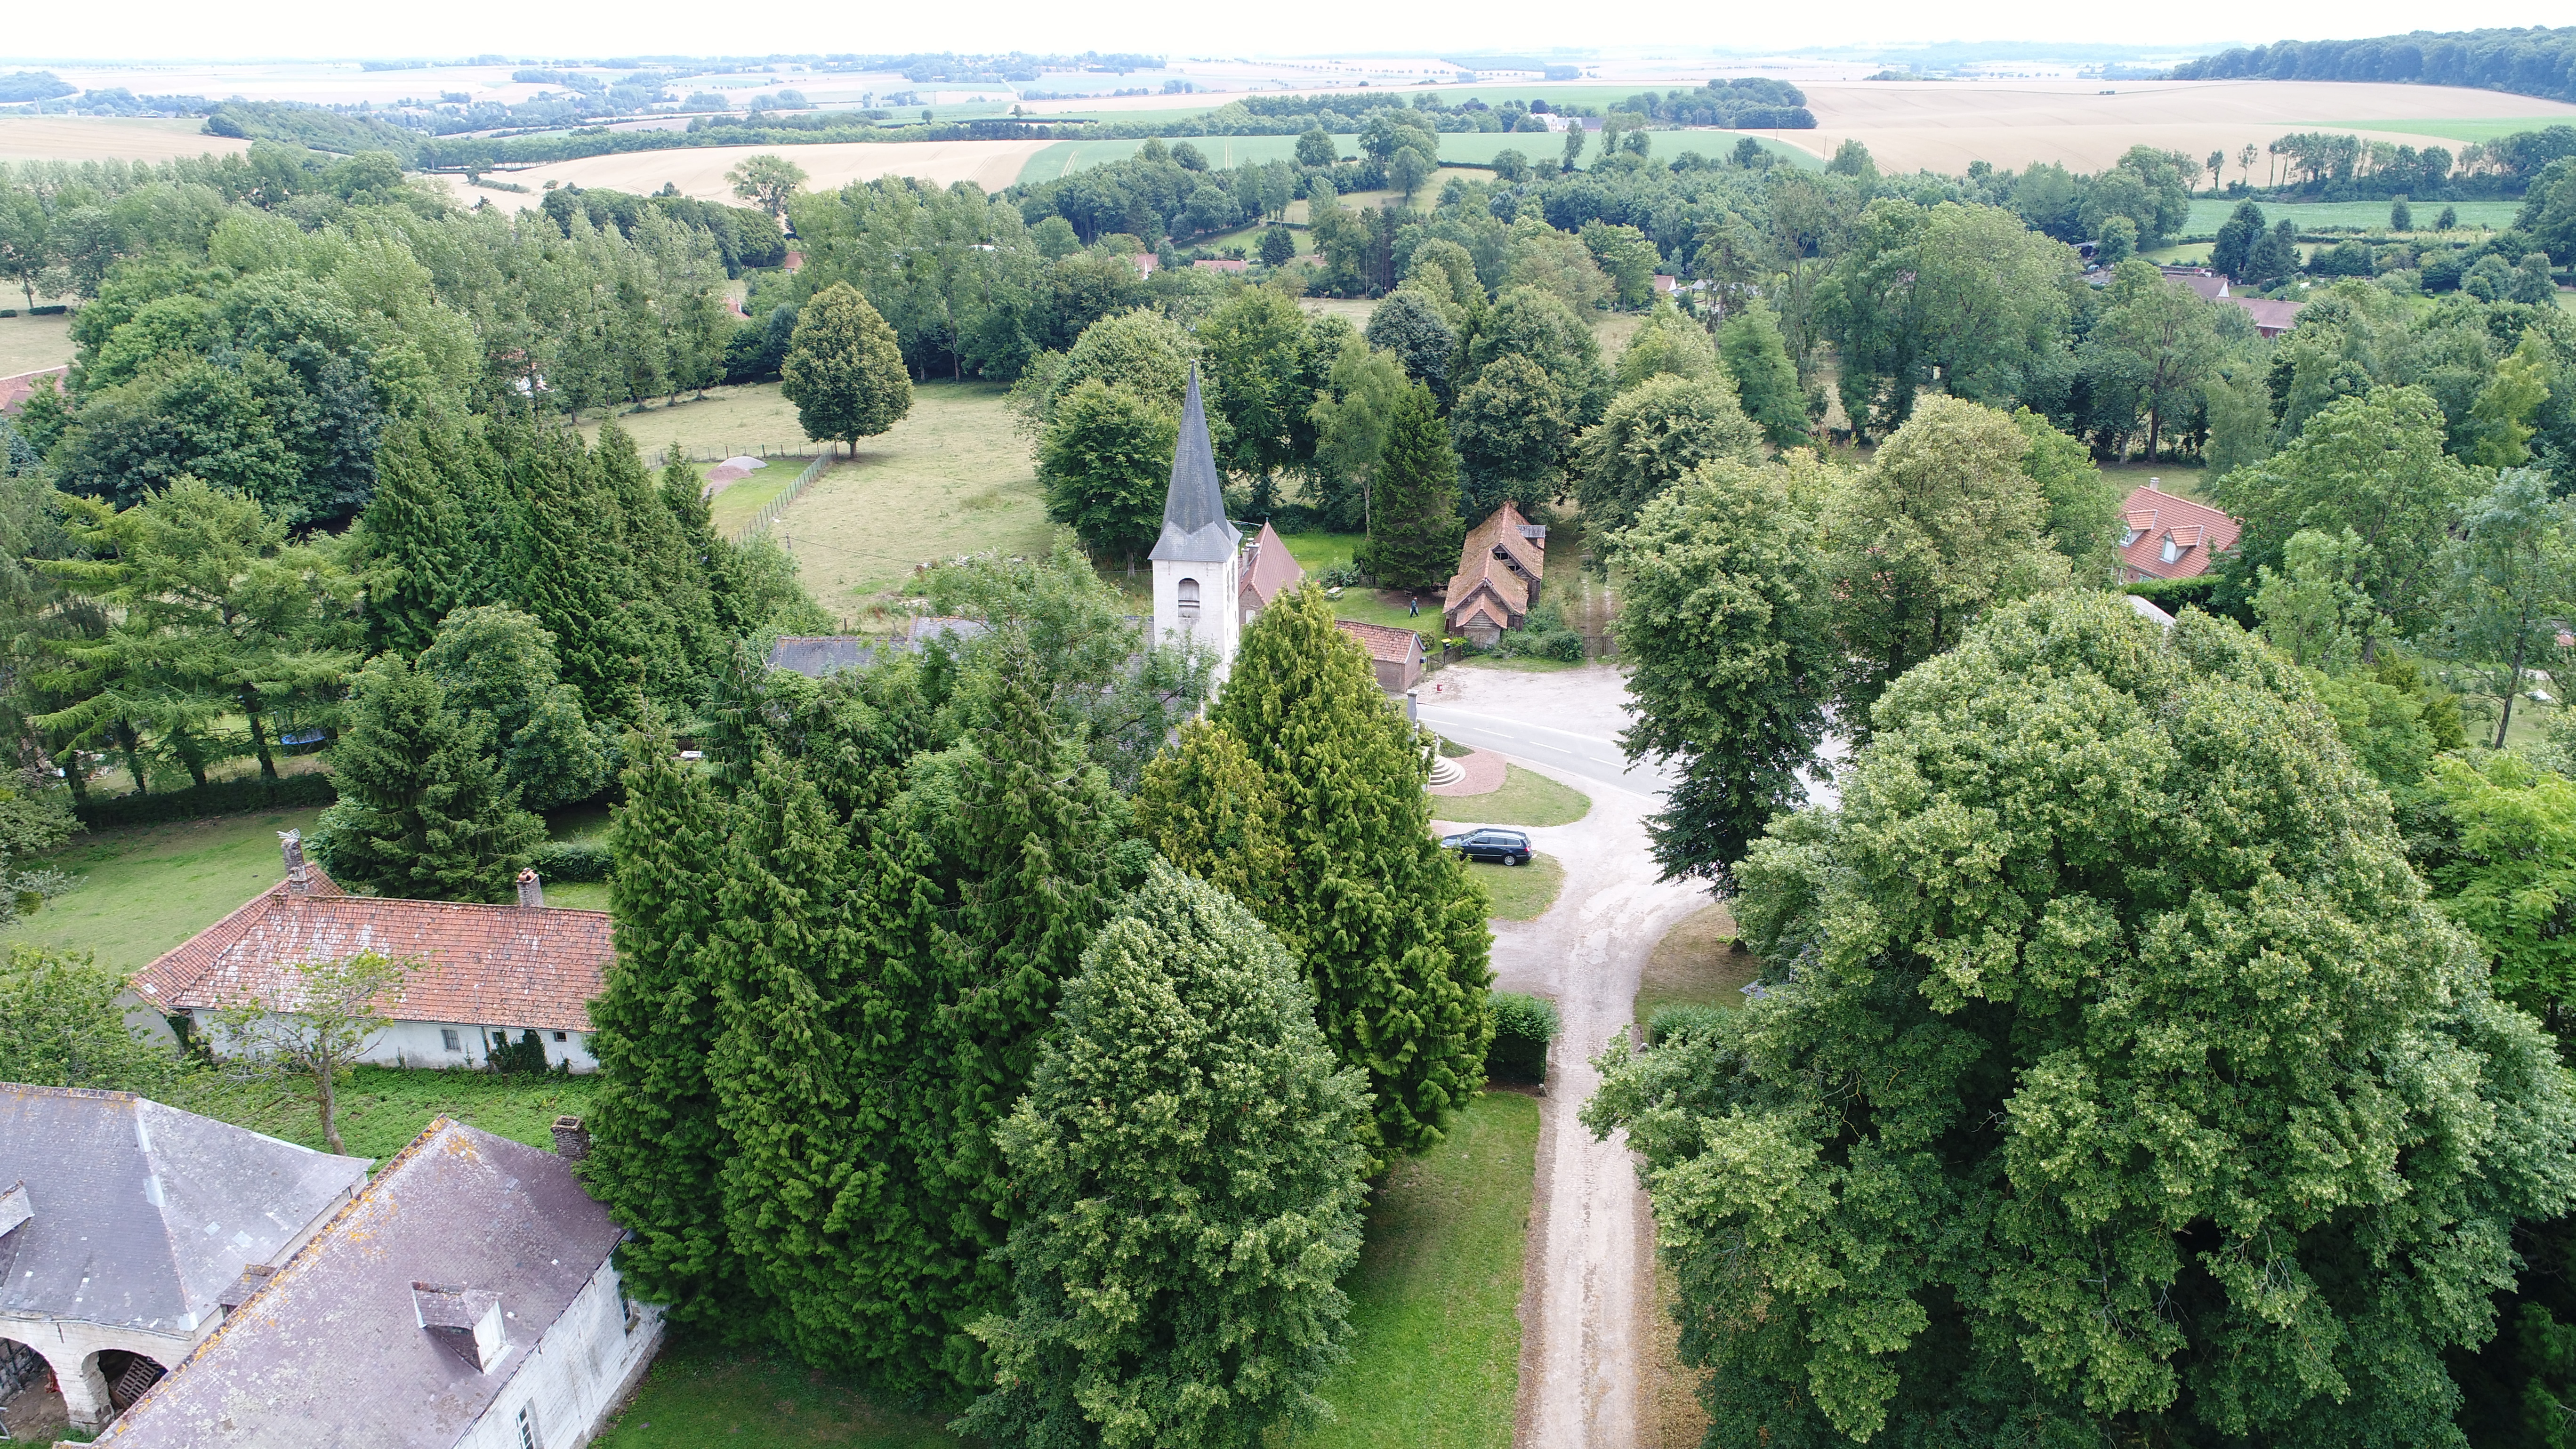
(572, 861)
(232, 797)
(1523, 1026)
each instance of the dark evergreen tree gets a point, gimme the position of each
(1413, 524)
(1188, 1183)
(1389, 928)
(571, 575)
(658, 1150)
(782, 1068)
(424, 810)
(417, 539)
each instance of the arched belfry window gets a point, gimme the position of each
(1189, 597)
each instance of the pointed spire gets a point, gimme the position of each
(1194, 526)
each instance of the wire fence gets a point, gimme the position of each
(769, 511)
(661, 457)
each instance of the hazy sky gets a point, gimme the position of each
(157, 29)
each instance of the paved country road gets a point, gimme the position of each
(1591, 1259)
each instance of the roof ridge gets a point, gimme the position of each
(102, 1093)
(311, 1244)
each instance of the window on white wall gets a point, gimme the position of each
(528, 1427)
(447, 1039)
(1189, 597)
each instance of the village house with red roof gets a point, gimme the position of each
(481, 973)
(1499, 568)
(2163, 536)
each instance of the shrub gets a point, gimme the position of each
(573, 861)
(1682, 1018)
(1543, 635)
(1523, 1026)
(231, 797)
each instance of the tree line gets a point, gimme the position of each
(2533, 62)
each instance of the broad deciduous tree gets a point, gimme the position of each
(843, 370)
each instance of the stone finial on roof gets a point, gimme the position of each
(532, 891)
(1195, 529)
(290, 843)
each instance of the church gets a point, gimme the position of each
(1209, 585)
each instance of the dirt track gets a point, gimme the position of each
(1590, 1235)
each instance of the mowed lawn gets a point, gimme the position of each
(146, 888)
(953, 478)
(747, 419)
(1696, 964)
(1519, 892)
(695, 1396)
(383, 1108)
(1436, 1341)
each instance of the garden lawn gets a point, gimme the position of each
(146, 888)
(951, 479)
(383, 1108)
(696, 1396)
(1527, 798)
(1519, 892)
(1695, 965)
(30, 344)
(1436, 1343)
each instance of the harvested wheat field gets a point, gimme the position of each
(700, 171)
(2087, 125)
(101, 138)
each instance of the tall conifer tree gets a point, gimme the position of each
(658, 1150)
(1389, 928)
(1413, 524)
(424, 810)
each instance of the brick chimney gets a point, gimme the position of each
(299, 881)
(572, 1140)
(532, 891)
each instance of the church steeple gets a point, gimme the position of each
(1195, 529)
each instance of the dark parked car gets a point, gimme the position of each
(1509, 847)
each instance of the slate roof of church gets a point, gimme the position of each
(1194, 524)
(143, 1214)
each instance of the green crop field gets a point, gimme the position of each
(1463, 148)
(2207, 216)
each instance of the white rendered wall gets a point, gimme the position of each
(1218, 628)
(423, 1044)
(582, 1365)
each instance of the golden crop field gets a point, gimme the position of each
(700, 172)
(2087, 125)
(103, 138)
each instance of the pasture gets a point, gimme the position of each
(954, 478)
(2088, 125)
(146, 888)
(2207, 216)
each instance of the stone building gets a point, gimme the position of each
(124, 1223)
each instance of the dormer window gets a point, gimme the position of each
(1189, 598)
(2173, 550)
(2128, 536)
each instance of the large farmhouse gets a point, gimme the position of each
(466, 1299)
(481, 974)
(1497, 582)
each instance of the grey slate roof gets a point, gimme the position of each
(816, 655)
(331, 1352)
(143, 1215)
(1194, 524)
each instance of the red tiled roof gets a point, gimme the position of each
(521, 966)
(14, 391)
(1274, 569)
(2150, 516)
(2209, 286)
(1500, 556)
(1393, 646)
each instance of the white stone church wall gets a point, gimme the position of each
(583, 1364)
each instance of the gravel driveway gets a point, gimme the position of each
(1591, 1240)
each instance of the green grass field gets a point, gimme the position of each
(953, 478)
(146, 888)
(1436, 1343)
(1465, 148)
(382, 1108)
(1519, 892)
(2478, 128)
(1694, 965)
(1527, 798)
(2207, 216)
(694, 1396)
(752, 418)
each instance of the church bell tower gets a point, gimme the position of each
(1197, 560)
